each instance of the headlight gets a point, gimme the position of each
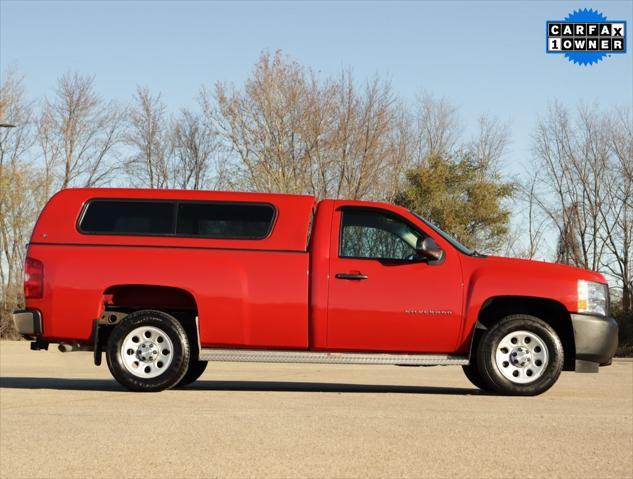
(593, 297)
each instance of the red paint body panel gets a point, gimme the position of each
(491, 277)
(57, 222)
(320, 275)
(235, 283)
(370, 314)
(278, 292)
(238, 294)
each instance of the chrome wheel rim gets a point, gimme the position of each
(522, 357)
(147, 352)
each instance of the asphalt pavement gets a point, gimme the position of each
(60, 416)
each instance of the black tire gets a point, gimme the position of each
(472, 373)
(195, 370)
(165, 331)
(539, 333)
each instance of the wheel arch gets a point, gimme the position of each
(549, 310)
(122, 299)
(148, 296)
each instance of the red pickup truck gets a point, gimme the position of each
(164, 281)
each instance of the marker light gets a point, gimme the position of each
(33, 278)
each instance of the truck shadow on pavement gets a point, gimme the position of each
(257, 386)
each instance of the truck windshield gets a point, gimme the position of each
(445, 235)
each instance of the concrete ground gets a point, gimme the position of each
(60, 416)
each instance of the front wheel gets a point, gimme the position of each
(148, 351)
(521, 355)
(472, 373)
(195, 370)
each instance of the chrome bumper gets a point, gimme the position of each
(28, 323)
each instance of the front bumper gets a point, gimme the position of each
(28, 323)
(596, 338)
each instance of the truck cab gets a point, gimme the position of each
(163, 281)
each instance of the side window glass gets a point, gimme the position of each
(225, 220)
(196, 219)
(377, 235)
(128, 217)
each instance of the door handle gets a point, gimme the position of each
(352, 276)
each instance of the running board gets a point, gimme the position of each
(268, 356)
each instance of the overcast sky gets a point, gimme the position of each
(484, 56)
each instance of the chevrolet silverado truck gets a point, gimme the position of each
(163, 282)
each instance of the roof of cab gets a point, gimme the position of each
(58, 220)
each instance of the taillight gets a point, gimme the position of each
(33, 278)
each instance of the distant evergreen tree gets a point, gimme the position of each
(461, 195)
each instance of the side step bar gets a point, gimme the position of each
(267, 356)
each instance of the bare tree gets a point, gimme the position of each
(586, 159)
(438, 126)
(148, 134)
(568, 251)
(620, 125)
(555, 146)
(362, 137)
(261, 126)
(402, 152)
(194, 144)
(491, 141)
(317, 131)
(618, 209)
(49, 149)
(528, 237)
(19, 194)
(289, 131)
(78, 134)
(14, 110)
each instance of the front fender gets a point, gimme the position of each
(486, 279)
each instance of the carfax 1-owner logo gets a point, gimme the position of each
(586, 37)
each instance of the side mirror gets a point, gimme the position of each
(428, 249)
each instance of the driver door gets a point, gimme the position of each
(382, 296)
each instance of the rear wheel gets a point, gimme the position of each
(195, 370)
(520, 355)
(148, 351)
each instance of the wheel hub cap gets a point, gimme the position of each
(522, 357)
(146, 352)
